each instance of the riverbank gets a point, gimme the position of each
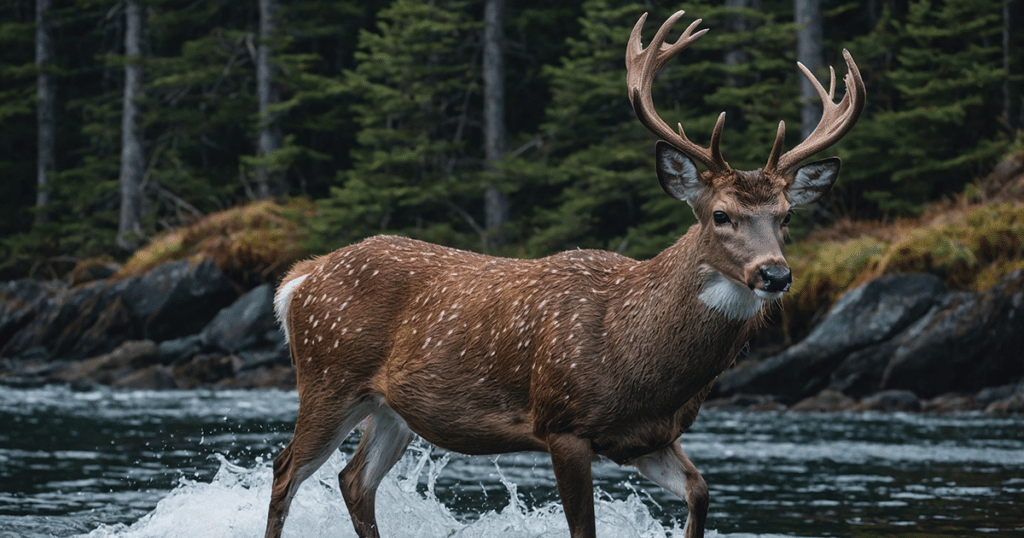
(913, 315)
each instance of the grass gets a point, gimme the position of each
(252, 243)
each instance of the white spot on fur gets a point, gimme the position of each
(730, 299)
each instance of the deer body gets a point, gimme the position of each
(581, 354)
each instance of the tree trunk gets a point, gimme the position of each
(129, 229)
(268, 181)
(46, 158)
(496, 209)
(808, 52)
(737, 23)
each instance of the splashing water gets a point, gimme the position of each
(234, 504)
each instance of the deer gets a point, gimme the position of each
(582, 354)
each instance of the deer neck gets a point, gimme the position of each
(681, 318)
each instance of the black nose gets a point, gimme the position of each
(776, 278)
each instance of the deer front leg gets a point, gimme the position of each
(672, 470)
(570, 458)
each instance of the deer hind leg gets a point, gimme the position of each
(672, 470)
(382, 445)
(318, 433)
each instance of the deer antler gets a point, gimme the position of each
(836, 119)
(642, 66)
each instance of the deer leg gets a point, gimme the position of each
(316, 438)
(672, 470)
(570, 458)
(382, 445)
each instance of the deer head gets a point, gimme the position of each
(743, 215)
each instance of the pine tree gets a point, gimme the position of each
(416, 80)
(939, 125)
(598, 165)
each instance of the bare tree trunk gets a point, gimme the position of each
(1007, 93)
(496, 209)
(736, 23)
(808, 52)
(129, 229)
(46, 157)
(268, 183)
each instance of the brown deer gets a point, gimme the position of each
(581, 354)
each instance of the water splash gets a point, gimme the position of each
(234, 504)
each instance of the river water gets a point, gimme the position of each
(106, 463)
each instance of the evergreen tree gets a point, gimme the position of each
(938, 126)
(598, 163)
(416, 81)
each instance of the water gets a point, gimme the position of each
(107, 463)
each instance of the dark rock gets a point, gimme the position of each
(20, 302)
(865, 317)
(826, 401)
(1014, 405)
(174, 300)
(988, 395)
(155, 377)
(950, 403)
(204, 370)
(180, 350)
(889, 401)
(745, 402)
(178, 299)
(105, 369)
(248, 323)
(90, 271)
(276, 377)
(970, 342)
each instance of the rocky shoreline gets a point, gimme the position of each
(898, 343)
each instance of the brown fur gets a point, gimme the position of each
(579, 354)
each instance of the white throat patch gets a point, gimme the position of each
(732, 300)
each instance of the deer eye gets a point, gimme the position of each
(720, 217)
(786, 219)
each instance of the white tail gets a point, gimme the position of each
(579, 354)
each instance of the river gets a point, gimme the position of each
(109, 463)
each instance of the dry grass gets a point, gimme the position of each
(251, 243)
(970, 242)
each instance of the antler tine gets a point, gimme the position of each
(642, 66)
(836, 118)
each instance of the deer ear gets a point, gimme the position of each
(813, 180)
(677, 173)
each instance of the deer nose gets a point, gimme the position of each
(776, 278)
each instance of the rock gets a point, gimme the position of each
(155, 377)
(178, 298)
(988, 395)
(969, 342)
(826, 401)
(174, 300)
(247, 324)
(204, 370)
(276, 377)
(20, 302)
(950, 403)
(91, 270)
(865, 317)
(105, 369)
(889, 401)
(745, 402)
(181, 350)
(1014, 405)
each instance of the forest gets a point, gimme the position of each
(496, 127)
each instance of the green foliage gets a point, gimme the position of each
(381, 107)
(936, 124)
(415, 80)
